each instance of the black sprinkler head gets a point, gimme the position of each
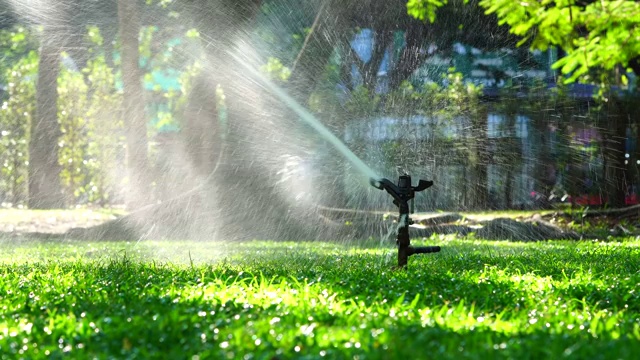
(402, 193)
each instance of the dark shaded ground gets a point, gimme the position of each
(332, 223)
(16, 224)
(532, 227)
(523, 226)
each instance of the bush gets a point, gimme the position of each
(92, 142)
(16, 113)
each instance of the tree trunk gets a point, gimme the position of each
(412, 56)
(508, 188)
(615, 152)
(465, 189)
(245, 185)
(635, 164)
(133, 106)
(514, 151)
(310, 63)
(200, 130)
(572, 176)
(480, 148)
(543, 178)
(45, 191)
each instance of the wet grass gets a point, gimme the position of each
(262, 300)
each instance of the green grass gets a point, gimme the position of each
(261, 300)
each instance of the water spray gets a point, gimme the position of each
(402, 193)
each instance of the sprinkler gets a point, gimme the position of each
(402, 194)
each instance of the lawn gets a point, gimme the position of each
(303, 300)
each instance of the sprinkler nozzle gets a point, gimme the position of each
(402, 193)
(375, 183)
(423, 185)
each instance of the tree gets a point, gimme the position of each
(601, 45)
(133, 105)
(45, 191)
(597, 36)
(59, 33)
(309, 64)
(333, 25)
(444, 23)
(16, 115)
(406, 43)
(239, 188)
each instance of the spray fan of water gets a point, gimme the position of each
(269, 162)
(262, 183)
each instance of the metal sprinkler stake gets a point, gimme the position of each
(402, 194)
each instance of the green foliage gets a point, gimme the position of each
(424, 9)
(284, 39)
(16, 114)
(165, 71)
(462, 97)
(362, 103)
(92, 139)
(276, 70)
(475, 299)
(72, 104)
(596, 35)
(453, 98)
(186, 84)
(443, 104)
(146, 43)
(15, 44)
(19, 64)
(105, 130)
(178, 100)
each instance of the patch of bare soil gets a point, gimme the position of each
(16, 222)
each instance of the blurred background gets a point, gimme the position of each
(133, 103)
